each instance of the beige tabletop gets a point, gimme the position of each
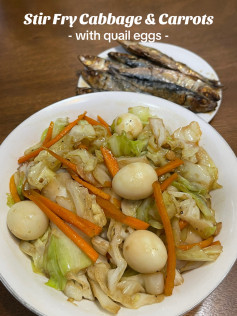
(39, 66)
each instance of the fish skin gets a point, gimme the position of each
(171, 76)
(106, 81)
(98, 63)
(130, 60)
(177, 94)
(115, 82)
(163, 60)
(81, 91)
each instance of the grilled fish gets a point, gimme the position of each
(163, 60)
(177, 94)
(80, 91)
(114, 81)
(130, 60)
(171, 76)
(98, 63)
(106, 81)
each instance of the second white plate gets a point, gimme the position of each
(183, 55)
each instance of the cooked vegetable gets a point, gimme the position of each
(137, 200)
(113, 212)
(171, 261)
(49, 133)
(66, 229)
(90, 187)
(61, 258)
(91, 120)
(154, 283)
(121, 145)
(105, 124)
(201, 244)
(64, 161)
(52, 141)
(164, 185)
(84, 225)
(169, 166)
(142, 112)
(110, 161)
(13, 190)
(182, 224)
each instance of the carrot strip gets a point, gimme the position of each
(65, 228)
(182, 224)
(164, 185)
(217, 242)
(169, 166)
(116, 202)
(112, 211)
(110, 161)
(171, 261)
(52, 141)
(91, 121)
(105, 124)
(90, 187)
(49, 133)
(87, 227)
(135, 223)
(82, 146)
(202, 244)
(13, 190)
(64, 161)
(107, 184)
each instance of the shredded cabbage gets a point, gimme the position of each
(142, 112)
(121, 145)
(61, 257)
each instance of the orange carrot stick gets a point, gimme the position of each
(182, 224)
(66, 229)
(87, 227)
(90, 187)
(64, 161)
(217, 242)
(105, 124)
(91, 121)
(52, 141)
(202, 244)
(112, 211)
(107, 184)
(82, 146)
(110, 161)
(49, 133)
(164, 185)
(13, 190)
(169, 166)
(171, 261)
(116, 202)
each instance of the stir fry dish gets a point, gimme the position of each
(147, 70)
(115, 213)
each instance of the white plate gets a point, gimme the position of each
(180, 54)
(15, 267)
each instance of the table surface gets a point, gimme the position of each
(39, 66)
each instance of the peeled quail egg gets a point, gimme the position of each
(26, 220)
(129, 123)
(144, 252)
(134, 181)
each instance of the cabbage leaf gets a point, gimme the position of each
(121, 145)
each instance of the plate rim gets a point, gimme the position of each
(65, 101)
